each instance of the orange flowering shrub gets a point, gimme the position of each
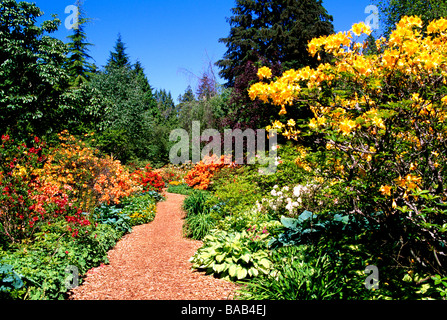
(114, 182)
(199, 177)
(88, 178)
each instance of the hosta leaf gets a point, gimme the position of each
(220, 257)
(265, 263)
(233, 270)
(241, 273)
(246, 257)
(253, 272)
(219, 268)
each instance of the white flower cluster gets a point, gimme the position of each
(290, 200)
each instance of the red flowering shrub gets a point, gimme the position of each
(26, 199)
(39, 185)
(149, 179)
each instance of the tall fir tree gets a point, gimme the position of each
(78, 65)
(166, 106)
(272, 33)
(118, 58)
(277, 30)
(149, 98)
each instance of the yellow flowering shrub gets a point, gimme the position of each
(382, 119)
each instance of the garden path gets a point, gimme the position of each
(151, 263)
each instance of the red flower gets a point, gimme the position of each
(5, 138)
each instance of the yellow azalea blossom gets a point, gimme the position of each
(378, 122)
(409, 22)
(264, 73)
(277, 125)
(283, 111)
(291, 123)
(394, 205)
(437, 26)
(385, 190)
(360, 28)
(346, 126)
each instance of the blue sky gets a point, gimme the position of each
(173, 39)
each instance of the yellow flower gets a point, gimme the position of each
(394, 205)
(360, 28)
(291, 123)
(283, 111)
(386, 190)
(437, 26)
(346, 126)
(277, 125)
(264, 73)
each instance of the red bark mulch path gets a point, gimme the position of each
(151, 263)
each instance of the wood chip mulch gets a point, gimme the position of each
(151, 263)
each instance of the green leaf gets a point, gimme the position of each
(220, 257)
(219, 268)
(253, 272)
(233, 270)
(265, 263)
(241, 273)
(246, 257)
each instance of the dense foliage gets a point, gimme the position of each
(361, 165)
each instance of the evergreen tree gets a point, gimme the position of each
(119, 57)
(272, 33)
(149, 99)
(188, 96)
(277, 30)
(79, 69)
(166, 106)
(127, 127)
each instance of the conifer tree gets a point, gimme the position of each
(79, 69)
(149, 99)
(272, 33)
(276, 30)
(119, 57)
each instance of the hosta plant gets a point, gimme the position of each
(234, 256)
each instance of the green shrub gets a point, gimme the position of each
(141, 209)
(250, 218)
(234, 193)
(43, 263)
